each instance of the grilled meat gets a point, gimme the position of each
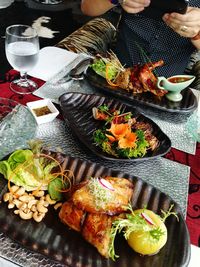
(97, 231)
(71, 215)
(94, 223)
(140, 79)
(86, 200)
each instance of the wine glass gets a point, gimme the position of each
(22, 52)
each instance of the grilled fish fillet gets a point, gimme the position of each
(97, 231)
(72, 216)
(84, 199)
(82, 213)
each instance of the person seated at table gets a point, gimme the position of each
(146, 34)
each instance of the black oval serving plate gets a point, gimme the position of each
(77, 112)
(186, 105)
(53, 239)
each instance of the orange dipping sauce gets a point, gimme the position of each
(178, 79)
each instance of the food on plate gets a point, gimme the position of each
(92, 207)
(36, 180)
(99, 209)
(139, 240)
(121, 135)
(144, 230)
(137, 79)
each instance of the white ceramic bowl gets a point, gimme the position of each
(43, 110)
(175, 84)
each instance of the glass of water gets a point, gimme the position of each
(22, 52)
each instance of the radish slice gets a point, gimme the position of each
(106, 184)
(147, 218)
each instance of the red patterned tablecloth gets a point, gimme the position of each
(193, 209)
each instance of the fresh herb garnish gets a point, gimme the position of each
(102, 196)
(118, 137)
(134, 222)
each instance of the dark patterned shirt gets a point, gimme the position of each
(142, 38)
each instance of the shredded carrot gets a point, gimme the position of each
(107, 78)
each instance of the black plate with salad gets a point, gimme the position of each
(112, 129)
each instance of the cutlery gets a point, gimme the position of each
(76, 73)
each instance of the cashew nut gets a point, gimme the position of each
(16, 211)
(40, 207)
(32, 202)
(37, 193)
(11, 205)
(17, 203)
(23, 206)
(49, 200)
(14, 188)
(25, 216)
(46, 204)
(38, 216)
(33, 208)
(19, 192)
(26, 198)
(7, 197)
(58, 205)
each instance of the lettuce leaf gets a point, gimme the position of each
(24, 168)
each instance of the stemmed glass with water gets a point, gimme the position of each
(22, 52)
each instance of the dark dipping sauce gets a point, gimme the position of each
(178, 79)
(41, 111)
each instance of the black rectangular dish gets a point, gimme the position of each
(186, 105)
(56, 241)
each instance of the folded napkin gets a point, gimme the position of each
(51, 61)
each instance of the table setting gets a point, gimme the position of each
(161, 177)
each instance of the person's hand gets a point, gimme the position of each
(135, 6)
(187, 25)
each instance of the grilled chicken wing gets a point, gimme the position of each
(140, 79)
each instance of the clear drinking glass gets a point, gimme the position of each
(22, 52)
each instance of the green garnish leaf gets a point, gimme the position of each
(169, 213)
(55, 188)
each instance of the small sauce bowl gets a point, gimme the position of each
(175, 84)
(43, 110)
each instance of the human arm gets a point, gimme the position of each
(99, 7)
(186, 25)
